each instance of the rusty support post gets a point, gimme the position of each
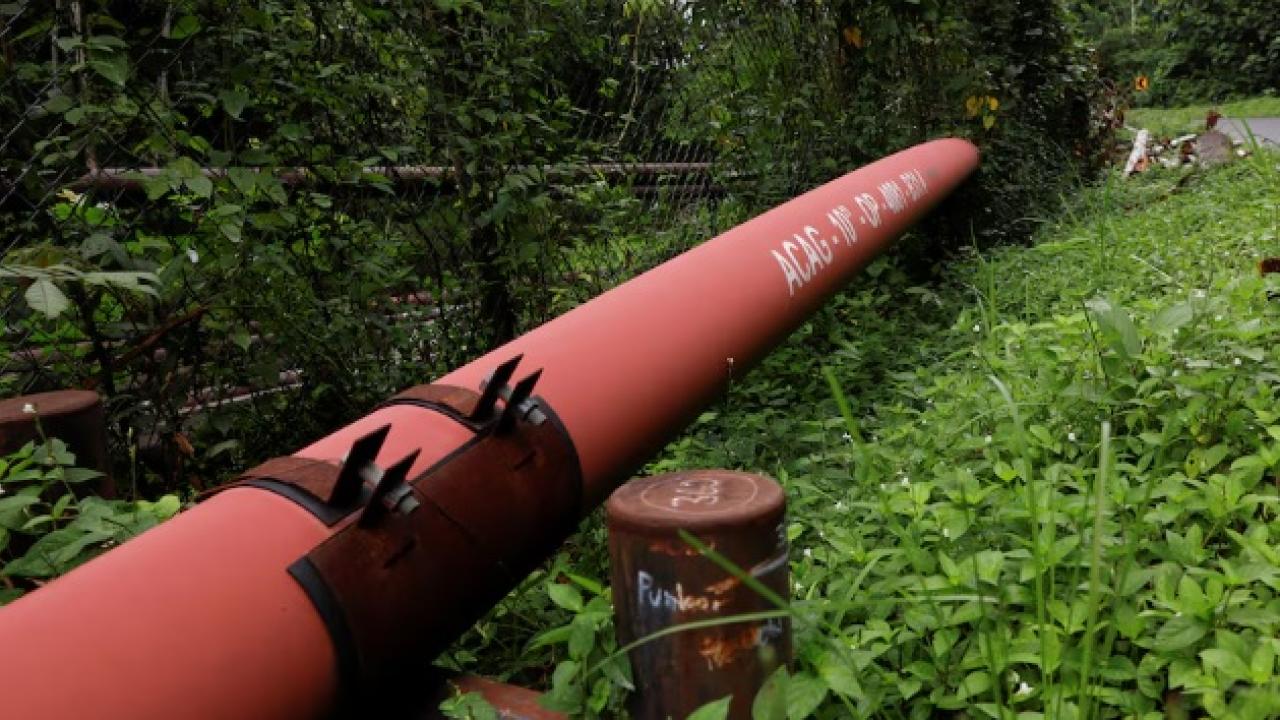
(75, 417)
(660, 581)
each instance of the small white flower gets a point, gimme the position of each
(905, 481)
(1235, 361)
(847, 437)
(808, 552)
(29, 409)
(977, 327)
(1023, 689)
(987, 439)
(1217, 318)
(839, 505)
(1176, 373)
(1071, 437)
(193, 256)
(946, 532)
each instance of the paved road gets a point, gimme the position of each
(1266, 130)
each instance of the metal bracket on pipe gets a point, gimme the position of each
(425, 558)
(481, 412)
(331, 492)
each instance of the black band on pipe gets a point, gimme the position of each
(344, 646)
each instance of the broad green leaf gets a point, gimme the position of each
(45, 298)
(1178, 633)
(13, 510)
(566, 596)
(554, 636)
(582, 637)
(1117, 327)
(1262, 663)
(60, 506)
(1190, 596)
(55, 553)
(234, 101)
(166, 507)
(771, 701)
(105, 42)
(59, 104)
(185, 27)
(114, 68)
(231, 231)
(156, 187)
(989, 563)
(714, 710)
(838, 674)
(241, 338)
(804, 694)
(566, 694)
(199, 184)
(244, 179)
(79, 475)
(586, 583)
(1225, 662)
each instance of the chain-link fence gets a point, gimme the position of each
(227, 215)
(246, 221)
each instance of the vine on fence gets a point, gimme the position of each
(246, 222)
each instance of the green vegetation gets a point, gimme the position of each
(265, 127)
(1055, 490)
(49, 524)
(1190, 50)
(1028, 479)
(1172, 122)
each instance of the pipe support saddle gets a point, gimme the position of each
(413, 563)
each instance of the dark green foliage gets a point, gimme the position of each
(1228, 49)
(803, 94)
(286, 270)
(1192, 51)
(1042, 487)
(47, 527)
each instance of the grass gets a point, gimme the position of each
(1171, 122)
(1043, 487)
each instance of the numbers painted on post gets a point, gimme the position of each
(696, 491)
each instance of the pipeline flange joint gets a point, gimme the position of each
(412, 564)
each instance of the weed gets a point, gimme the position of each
(1069, 513)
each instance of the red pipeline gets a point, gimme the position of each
(208, 615)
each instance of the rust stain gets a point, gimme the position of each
(724, 586)
(720, 651)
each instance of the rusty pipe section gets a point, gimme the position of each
(326, 576)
